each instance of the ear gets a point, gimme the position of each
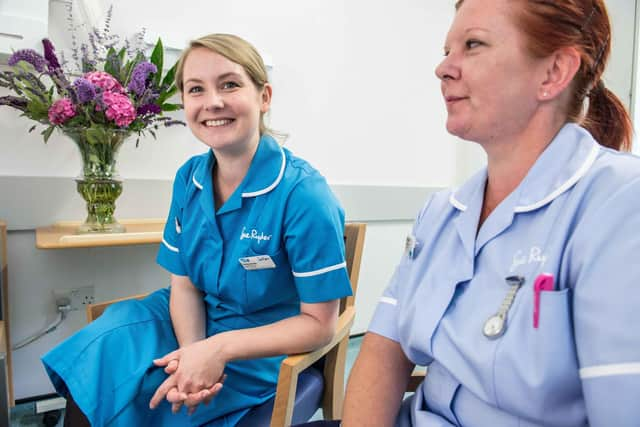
(265, 98)
(562, 67)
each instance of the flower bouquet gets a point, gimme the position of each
(113, 93)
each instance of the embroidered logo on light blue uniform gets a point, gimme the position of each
(254, 234)
(523, 257)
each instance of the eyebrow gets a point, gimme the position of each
(220, 77)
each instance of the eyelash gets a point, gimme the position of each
(470, 44)
(195, 89)
(233, 85)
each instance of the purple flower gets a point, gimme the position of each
(14, 101)
(61, 111)
(30, 56)
(138, 82)
(149, 109)
(50, 55)
(85, 90)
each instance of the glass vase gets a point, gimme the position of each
(99, 183)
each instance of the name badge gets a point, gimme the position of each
(259, 262)
(410, 245)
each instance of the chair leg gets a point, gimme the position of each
(73, 416)
(333, 395)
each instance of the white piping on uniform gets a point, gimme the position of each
(171, 248)
(456, 203)
(567, 184)
(320, 271)
(274, 183)
(388, 300)
(609, 370)
(196, 183)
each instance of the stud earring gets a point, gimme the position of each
(545, 94)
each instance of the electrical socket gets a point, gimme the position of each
(78, 298)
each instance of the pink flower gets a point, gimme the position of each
(105, 81)
(119, 108)
(61, 111)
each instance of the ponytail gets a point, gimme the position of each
(607, 119)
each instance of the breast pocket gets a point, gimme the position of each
(266, 287)
(533, 361)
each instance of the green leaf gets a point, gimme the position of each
(156, 59)
(169, 77)
(97, 135)
(111, 63)
(171, 107)
(47, 133)
(166, 95)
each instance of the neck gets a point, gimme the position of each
(230, 169)
(510, 159)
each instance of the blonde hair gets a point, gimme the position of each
(235, 49)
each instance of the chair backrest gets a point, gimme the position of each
(354, 242)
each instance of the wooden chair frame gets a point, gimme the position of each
(334, 353)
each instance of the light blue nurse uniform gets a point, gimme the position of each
(576, 215)
(283, 209)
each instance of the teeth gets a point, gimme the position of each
(214, 123)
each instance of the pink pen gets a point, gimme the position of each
(544, 282)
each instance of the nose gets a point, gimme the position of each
(215, 101)
(448, 69)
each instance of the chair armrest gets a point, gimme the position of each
(414, 381)
(95, 310)
(291, 367)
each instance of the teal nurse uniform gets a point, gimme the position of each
(276, 242)
(576, 216)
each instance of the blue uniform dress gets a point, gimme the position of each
(576, 215)
(283, 209)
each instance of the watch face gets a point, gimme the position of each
(493, 327)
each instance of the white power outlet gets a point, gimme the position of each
(77, 298)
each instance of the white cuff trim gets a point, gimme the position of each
(609, 370)
(388, 300)
(320, 271)
(171, 248)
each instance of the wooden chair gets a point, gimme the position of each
(6, 389)
(334, 353)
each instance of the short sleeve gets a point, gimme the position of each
(314, 241)
(606, 309)
(169, 252)
(384, 321)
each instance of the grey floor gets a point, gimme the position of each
(24, 414)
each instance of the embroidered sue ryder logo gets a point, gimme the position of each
(253, 234)
(521, 258)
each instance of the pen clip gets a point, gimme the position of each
(544, 282)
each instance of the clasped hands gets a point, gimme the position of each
(196, 375)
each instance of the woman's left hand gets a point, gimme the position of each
(199, 367)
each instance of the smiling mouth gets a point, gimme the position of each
(217, 123)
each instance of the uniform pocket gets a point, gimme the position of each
(536, 360)
(266, 287)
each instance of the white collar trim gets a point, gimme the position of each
(196, 183)
(274, 183)
(567, 184)
(456, 203)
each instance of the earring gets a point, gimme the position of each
(545, 94)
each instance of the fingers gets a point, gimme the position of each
(164, 360)
(171, 367)
(213, 391)
(162, 391)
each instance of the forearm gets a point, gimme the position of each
(297, 334)
(377, 383)
(186, 306)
